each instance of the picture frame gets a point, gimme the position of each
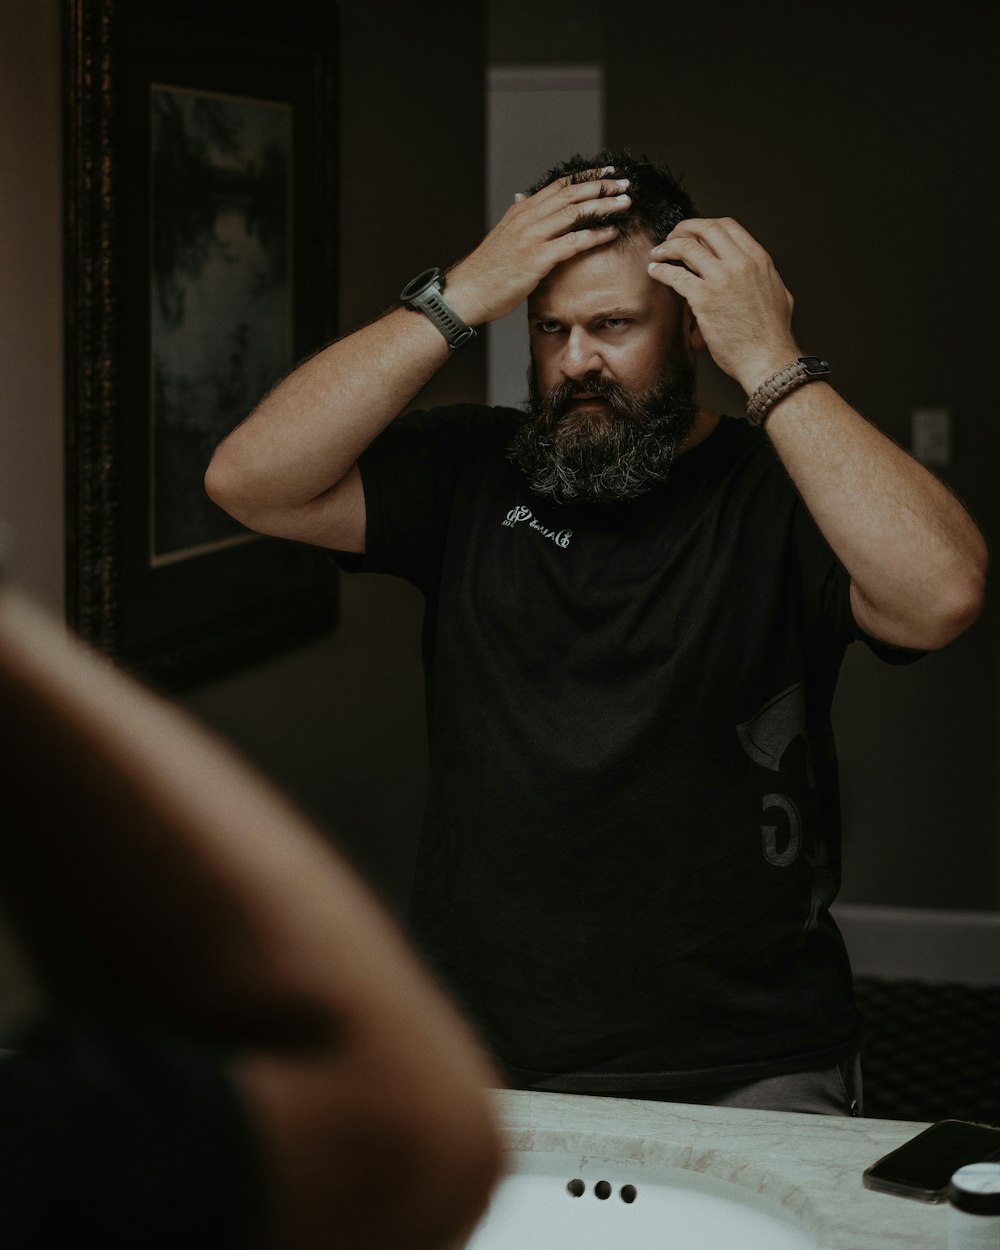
(200, 243)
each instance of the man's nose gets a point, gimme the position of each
(581, 358)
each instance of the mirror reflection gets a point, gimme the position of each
(655, 707)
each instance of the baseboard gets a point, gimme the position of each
(921, 944)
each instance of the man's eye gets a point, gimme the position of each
(615, 323)
(548, 327)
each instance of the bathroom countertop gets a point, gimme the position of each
(810, 1164)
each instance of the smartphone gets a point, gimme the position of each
(923, 1166)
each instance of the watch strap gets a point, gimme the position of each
(778, 385)
(424, 294)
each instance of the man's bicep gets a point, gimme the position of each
(336, 519)
(342, 515)
(865, 617)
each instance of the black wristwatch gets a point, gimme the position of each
(423, 294)
(804, 369)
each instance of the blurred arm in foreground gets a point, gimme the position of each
(164, 889)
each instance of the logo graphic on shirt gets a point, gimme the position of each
(519, 514)
(766, 737)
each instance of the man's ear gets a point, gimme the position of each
(692, 331)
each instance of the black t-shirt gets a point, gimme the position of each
(632, 836)
(112, 1139)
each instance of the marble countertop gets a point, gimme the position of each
(809, 1164)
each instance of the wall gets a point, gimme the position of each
(31, 416)
(855, 144)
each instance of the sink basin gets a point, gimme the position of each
(552, 1200)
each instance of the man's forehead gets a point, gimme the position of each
(612, 276)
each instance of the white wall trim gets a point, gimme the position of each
(921, 944)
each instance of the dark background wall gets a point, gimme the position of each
(31, 402)
(857, 145)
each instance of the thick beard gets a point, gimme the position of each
(616, 453)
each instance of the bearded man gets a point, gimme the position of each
(636, 610)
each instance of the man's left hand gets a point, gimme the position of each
(729, 282)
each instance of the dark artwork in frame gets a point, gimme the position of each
(200, 156)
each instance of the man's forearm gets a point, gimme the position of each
(916, 559)
(305, 435)
(277, 470)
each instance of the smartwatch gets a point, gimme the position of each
(424, 295)
(804, 369)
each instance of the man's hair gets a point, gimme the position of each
(659, 201)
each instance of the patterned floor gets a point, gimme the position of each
(932, 1050)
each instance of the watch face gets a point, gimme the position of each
(419, 284)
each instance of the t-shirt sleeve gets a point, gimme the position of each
(409, 475)
(110, 1138)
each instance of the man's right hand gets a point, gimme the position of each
(534, 235)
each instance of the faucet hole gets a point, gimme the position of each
(576, 1188)
(602, 1189)
(628, 1193)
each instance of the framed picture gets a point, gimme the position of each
(200, 157)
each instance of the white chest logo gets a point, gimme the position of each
(516, 515)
